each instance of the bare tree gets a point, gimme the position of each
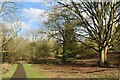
(98, 24)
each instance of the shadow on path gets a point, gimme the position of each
(19, 73)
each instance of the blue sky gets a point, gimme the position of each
(33, 14)
(38, 5)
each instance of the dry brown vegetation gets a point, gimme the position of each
(71, 71)
(5, 67)
(82, 68)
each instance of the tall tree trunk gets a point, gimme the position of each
(105, 51)
(103, 56)
(63, 54)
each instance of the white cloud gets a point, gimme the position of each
(35, 14)
(32, 16)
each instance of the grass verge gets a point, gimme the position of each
(31, 72)
(10, 73)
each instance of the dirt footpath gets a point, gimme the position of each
(19, 73)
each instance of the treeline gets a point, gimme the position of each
(72, 29)
(32, 49)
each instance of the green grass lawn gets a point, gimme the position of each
(31, 72)
(10, 73)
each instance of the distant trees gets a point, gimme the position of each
(38, 45)
(98, 24)
(39, 50)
